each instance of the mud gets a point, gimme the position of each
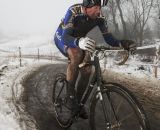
(37, 99)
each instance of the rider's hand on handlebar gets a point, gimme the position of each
(128, 45)
(87, 44)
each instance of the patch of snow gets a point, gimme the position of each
(7, 117)
(133, 67)
(11, 75)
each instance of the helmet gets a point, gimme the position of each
(90, 3)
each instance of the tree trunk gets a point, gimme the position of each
(122, 19)
(113, 10)
(141, 37)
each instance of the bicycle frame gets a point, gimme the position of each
(99, 94)
(96, 79)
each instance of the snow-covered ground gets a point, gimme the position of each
(133, 67)
(10, 71)
(10, 74)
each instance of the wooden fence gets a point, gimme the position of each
(146, 52)
(20, 56)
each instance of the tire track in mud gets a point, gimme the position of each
(25, 121)
(37, 99)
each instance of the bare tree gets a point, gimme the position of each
(156, 18)
(158, 21)
(141, 15)
(158, 5)
(112, 5)
(132, 17)
(118, 2)
(111, 14)
(157, 28)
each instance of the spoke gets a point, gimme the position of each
(121, 129)
(112, 107)
(126, 117)
(61, 90)
(119, 105)
(104, 111)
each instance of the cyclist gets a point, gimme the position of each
(70, 38)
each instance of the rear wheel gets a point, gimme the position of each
(62, 112)
(121, 109)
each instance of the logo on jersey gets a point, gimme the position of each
(58, 36)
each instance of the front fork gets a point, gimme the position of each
(106, 116)
(108, 124)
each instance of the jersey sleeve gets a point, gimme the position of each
(108, 37)
(68, 30)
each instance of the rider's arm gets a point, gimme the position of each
(108, 37)
(68, 30)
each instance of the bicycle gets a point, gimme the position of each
(112, 106)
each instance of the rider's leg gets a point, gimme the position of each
(82, 83)
(76, 56)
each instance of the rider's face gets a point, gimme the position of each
(93, 12)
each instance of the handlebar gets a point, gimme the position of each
(114, 49)
(104, 49)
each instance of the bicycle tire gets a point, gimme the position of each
(129, 98)
(60, 77)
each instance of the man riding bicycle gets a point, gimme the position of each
(70, 38)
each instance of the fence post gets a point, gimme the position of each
(38, 54)
(105, 62)
(51, 56)
(20, 57)
(156, 60)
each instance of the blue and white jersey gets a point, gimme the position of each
(77, 24)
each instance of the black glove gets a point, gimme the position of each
(128, 45)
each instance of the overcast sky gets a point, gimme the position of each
(29, 16)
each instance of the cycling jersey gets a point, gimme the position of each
(77, 24)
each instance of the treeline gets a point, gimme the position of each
(134, 19)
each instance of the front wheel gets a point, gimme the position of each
(118, 109)
(62, 112)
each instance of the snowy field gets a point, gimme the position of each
(29, 44)
(11, 72)
(133, 67)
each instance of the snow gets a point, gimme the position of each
(29, 44)
(10, 78)
(151, 46)
(7, 109)
(11, 73)
(132, 67)
(6, 116)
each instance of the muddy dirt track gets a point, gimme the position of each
(37, 99)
